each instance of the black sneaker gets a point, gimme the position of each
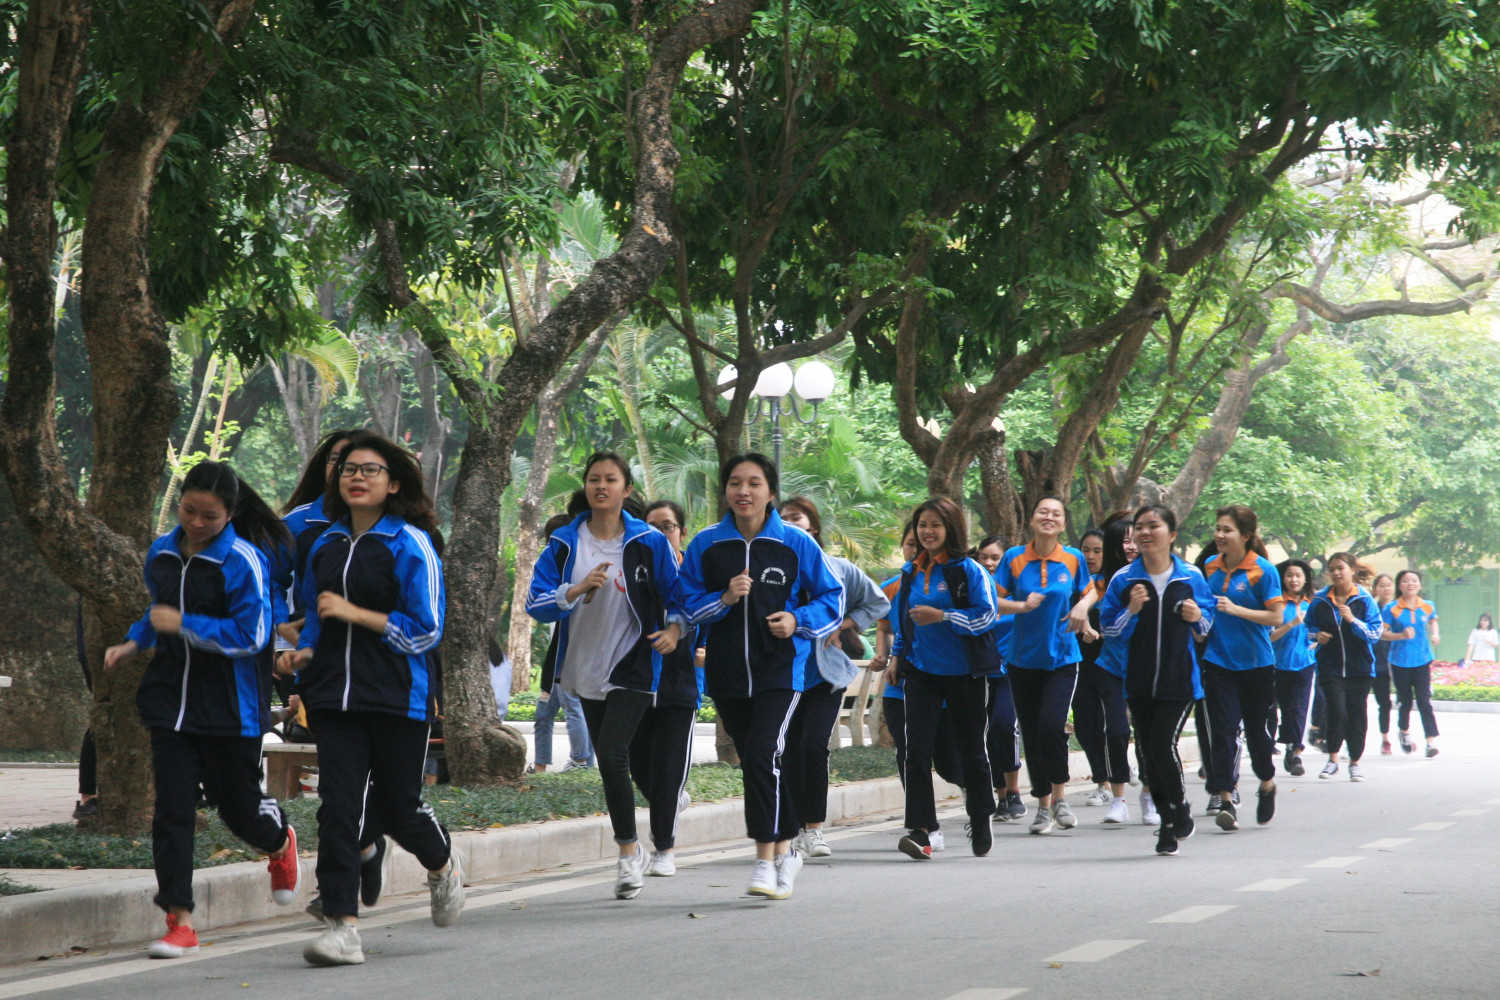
(1294, 764)
(1183, 826)
(981, 837)
(1265, 806)
(372, 875)
(86, 812)
(1215, 803)
(314, 907)
(1016, 805)
(1166, 842)
(1234, 796)
(916, 845)
(1227, 818)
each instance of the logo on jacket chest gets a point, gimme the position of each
(1241, 586)
(773, 576)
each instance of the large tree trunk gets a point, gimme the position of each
(1002, 505)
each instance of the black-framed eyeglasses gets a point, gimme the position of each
(665, 526)
(367, 469)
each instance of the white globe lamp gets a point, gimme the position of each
(775, 381)
(729, 374)
(814, 382)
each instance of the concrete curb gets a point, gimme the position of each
(1484, 707)
(120, 913)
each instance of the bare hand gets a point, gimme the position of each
(1191, 612)
(1301, 617)
(1034, 600)
(834, 635)
(782, 624)
(331, 605)
(1088, 634)
(1078, 620)
(1409, 633)
(1346, 612)
(290, 631)
(1225, 606)
(597, 578)
(738, 587)
(665, 641)
(292, 660)
(116, 655)
(1139, 595)
(166, 621)
(1322, 637)
(879, 663)
(893, 672)
(925, 614)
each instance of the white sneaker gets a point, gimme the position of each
(798, 844)
(1118, 812)
(1098, 797)
(662, 864)
(1043, 821)
(628, 874)
(447, 893)
(817, 847)
(684, 799)
(763, 880)
(1135, 775)
(935, 838)
(1149, 815)
(1063, 816)
(787, 867)
(1355, 774)
(339, 944)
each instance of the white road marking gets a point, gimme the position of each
(1094, 951)
(1386, 844)
(1426, 827)
(1271, 885)
(1492, 802)
(1333, 862)
(1192, 914)
(1469, 812)
(986, 994)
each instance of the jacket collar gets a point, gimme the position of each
(388, 526)
(774, 527)
(216, 551)
(925, 562)
(634, 526)
(1215, 564)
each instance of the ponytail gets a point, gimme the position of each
(1364, 573)
(252, 517)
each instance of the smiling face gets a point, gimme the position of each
(909, 548)
(202, 516)
(932, 534)
(748, 491)
(1293, 580)
(1152, 535)
(1410, 586)
(1048, 519)
(363, 486)
(1227, 535)
(1128, 544)
(1093, 552)
(605, 487)
(990, 556)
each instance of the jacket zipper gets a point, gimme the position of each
(187, 649)
(749, 677)
(348, 629)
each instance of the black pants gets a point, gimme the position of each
(1288, 716)
(370, 763)
(808, 737)
(1100, 723)
(613, 721)
(1382, 691)
(1348, 714)
(1004, 739)
(660, 756)
(758, 725)
(968, 710)
(1319, 709)
(88, 766)
(229, 766)
(1158, 724)
(1043, 698)
(1238, 698)
(945, 759)
(1415, 683)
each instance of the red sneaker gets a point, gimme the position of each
(286, 872)
(1385, 748)
(177, 942)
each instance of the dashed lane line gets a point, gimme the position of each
(1193, 914)
(1271, 885)
(1095, 951)
(1337, 862)
(1431, 827)
(1386, 844)
(1005, 994)
(1469, 812)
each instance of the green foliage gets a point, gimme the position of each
(1466, 692)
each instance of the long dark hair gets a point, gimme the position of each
(412, 503)
(678, 513)
(767, 468)
(1363, 573)
(1247, 524)
(1307, 576)
(314, 479)
(810, 511)
(1116, 530)
(252, 517)
(955, 532)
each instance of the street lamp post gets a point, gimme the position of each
(814, 383)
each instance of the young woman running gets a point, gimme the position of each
(206, 695)
(609, 581)
(662, 750)
(375, 603)
(1239, 666)
(1038, 583)
(942, 617)
(808, 736)
(1004, 739)
(1099, 718)
(1412, 626)
(1345, 621)
(1294, 662)
(1384, 589)
(1155, 607)
(766, 593)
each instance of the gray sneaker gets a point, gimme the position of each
(1355, 774)
(629, 871)
(339, 944)
(816, 846)
(1042, 822)
(1063, 816)
(447, 893)
(663, 864)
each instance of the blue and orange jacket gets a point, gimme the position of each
(892, 589)
(393, 569)
(1161, 657)
(652, 590)
(1399, 615)
(789, 573)
(1236, 644)
(1039, 639)
(944, 647)
(1293, 650)
(1351, 652)
(214, 677)
(1114, 651)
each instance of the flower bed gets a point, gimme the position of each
(1445, 674)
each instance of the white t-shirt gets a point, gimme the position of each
(1486, 643)
(500, 678)
(1159, 580)
(601, 632)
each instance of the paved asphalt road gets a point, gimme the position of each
(1385, 889)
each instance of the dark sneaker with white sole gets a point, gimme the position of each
(1265, 806)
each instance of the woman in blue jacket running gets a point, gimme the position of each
(206, 695)
(1345, 621)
